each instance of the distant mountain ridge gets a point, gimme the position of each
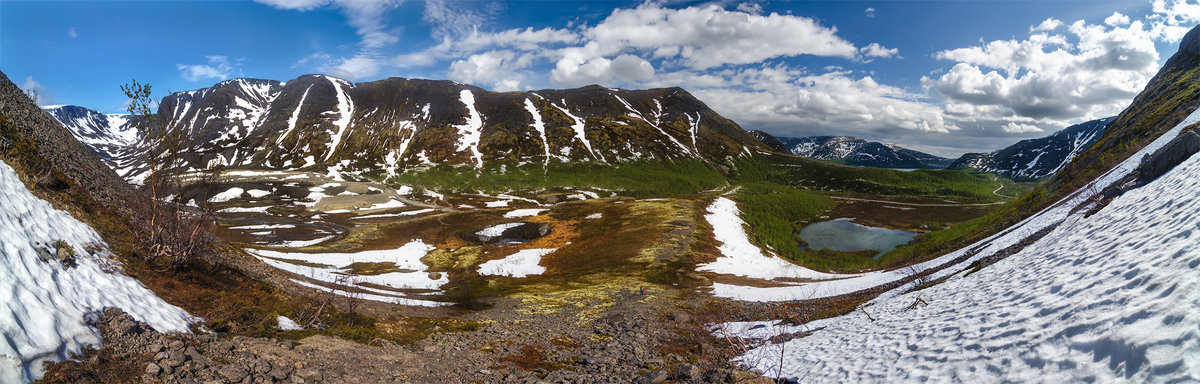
(109, 136)
(318, 122)
(853, 151)
(1036, 159)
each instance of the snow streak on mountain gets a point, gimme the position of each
(318, 122)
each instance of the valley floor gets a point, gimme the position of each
(565, 285)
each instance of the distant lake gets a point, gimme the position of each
(846, 236)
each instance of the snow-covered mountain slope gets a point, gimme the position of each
(112, 137)
(859, 152)
(46, 304)
(1106, 298)
(96, 130)
(1036, 159)
(318, 122)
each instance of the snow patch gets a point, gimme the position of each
(470, 132)
(541, 130)
(295, 117)
(286, 324)
(345, 113)
(520, 264)
(580, 133)
(742, 258)
(496, 230)
(524, 212)
(413, 275)
(46, 305)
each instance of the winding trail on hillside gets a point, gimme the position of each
(997, 193)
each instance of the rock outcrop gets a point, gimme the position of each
(58, 146)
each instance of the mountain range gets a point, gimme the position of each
(853, 151)
(321, 123)
(318, 122)
(1027, 160)
(1036, 159)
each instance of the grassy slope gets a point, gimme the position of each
(810, 174)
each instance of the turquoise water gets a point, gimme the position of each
(846, 236)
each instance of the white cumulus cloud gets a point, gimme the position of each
(1092, 71)
(876, 50)
(34, 88)
(710, 36)
(217, 68)
(1014, 127)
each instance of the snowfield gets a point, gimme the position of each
(496, 230)
(1113, 297)
(520, 264)
(742, 258)
(334, 268)
(45, 306)
(524, 212)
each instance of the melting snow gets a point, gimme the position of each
(524, 212)
(496, 230)
(264, 226)
(520, 264)
(301, 243)
(657, 119)
(45, 305)
(286, 324)
(367, 296)
(407, 258)
(1109, 298)
(541, 129)
(470, 132)
(295, 116)
(388, 205)
(245, 209)
(345, 113)
(742, 258)
(400, 214)
(986, 247)
(580, 134)
(228, 194)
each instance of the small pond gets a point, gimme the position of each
(846, 236)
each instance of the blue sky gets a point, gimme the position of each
(944, 77)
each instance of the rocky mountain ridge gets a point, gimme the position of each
(852, 151)
(1036, 159)
(318, 122)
